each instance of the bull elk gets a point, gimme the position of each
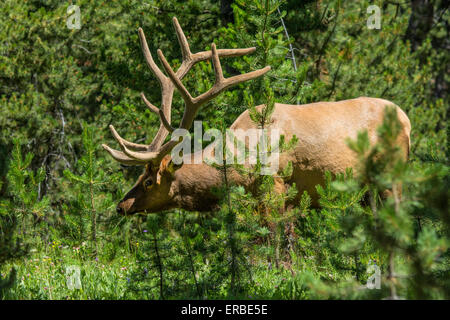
(321, 129)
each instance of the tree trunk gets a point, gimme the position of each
(226, 11)
(420, 22)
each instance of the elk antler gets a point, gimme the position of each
(138, 154)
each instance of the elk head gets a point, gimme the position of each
(152, 191)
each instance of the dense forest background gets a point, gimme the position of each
(60, 88)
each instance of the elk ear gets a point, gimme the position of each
(166, 167)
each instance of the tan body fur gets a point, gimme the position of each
(321, 128)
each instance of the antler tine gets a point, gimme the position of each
(223, 53)
(143, 156)
(224, 83)
(176, 81)
(149, 59)
(221, 83)
(185, 50)
(159, 112)
(228, 82)
(121, 157)
(128, 156)
(189, 58)
(149, 156)
(140, 147)
(218, 73)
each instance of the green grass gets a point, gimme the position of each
(42, 275)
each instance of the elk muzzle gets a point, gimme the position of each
(125, 206)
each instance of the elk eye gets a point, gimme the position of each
(148, 183)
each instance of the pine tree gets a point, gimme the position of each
(89, 178)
